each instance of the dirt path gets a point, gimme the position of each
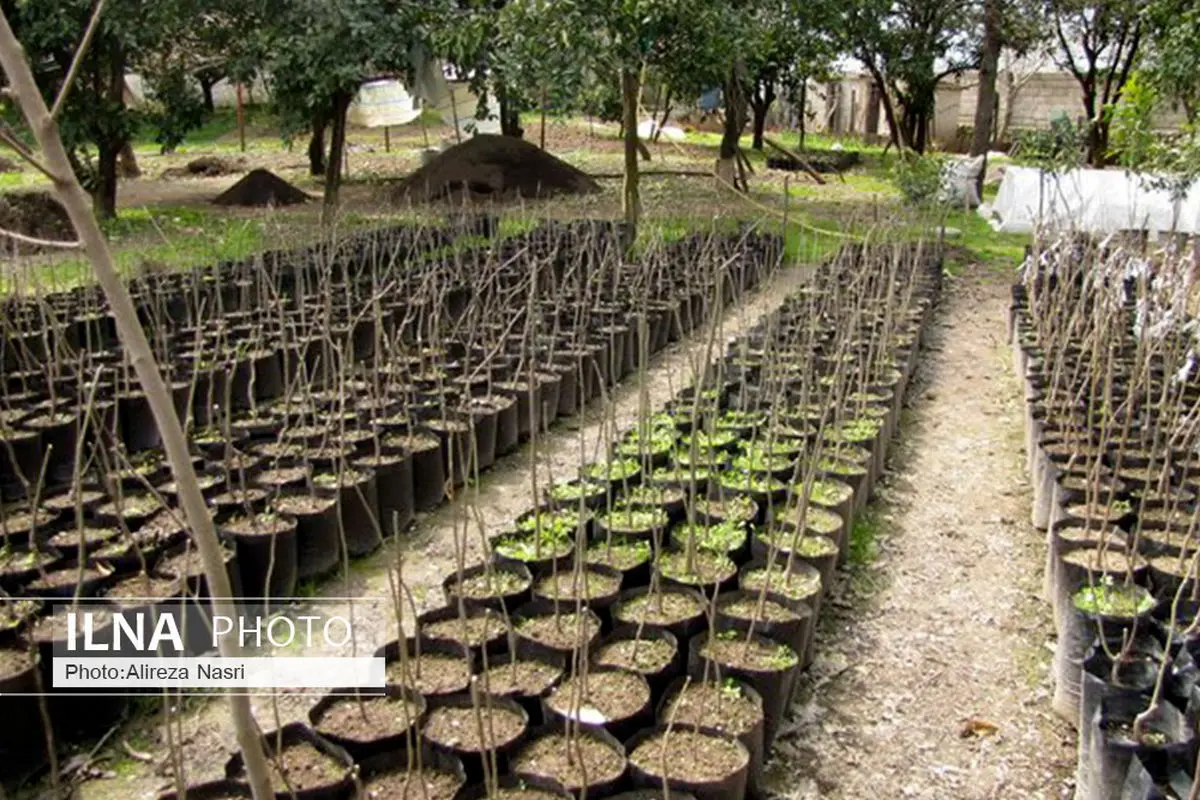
(942, 635)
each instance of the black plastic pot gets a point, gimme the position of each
(752, 737)
(728, 787)
(531, 701)
(658, 677)
(795, 633)
(558, 706)
(598, 602)
(390, 653)
(297, 733)
(495, 642)
(267, 556)
(358, 509)
(683, 629)
(387, 739)
(505, 599)
(318, 544)
(528, 646)
(773, 685)
(597, 788)
(394, 485)
(474, 761)
(378, 768)
(429, 476)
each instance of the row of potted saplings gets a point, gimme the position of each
(82, 318)
(1116, 469)
(613, 605)
(398, 443)
(296, 489)
(236, 361)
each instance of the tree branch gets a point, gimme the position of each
(20, 237)
(8, 137)
(93, 24)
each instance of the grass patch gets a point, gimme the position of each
(10, 181)
(995, 250)
(864, 539)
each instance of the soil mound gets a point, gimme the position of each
(495, 166)
(36, 214)
(261, 188)
(203, 167)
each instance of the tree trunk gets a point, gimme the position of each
(735, 111)
(630, 199)
(871, 119)
(316, 146)
(206, 89)
(760, 101)
(510, 117)
(985, 102)
(337, 149)
(665, 115)
(889, 110)
(104, 196)
(920, 133)
(803, 121)
(104, 201)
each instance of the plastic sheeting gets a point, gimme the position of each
(1091, 200)
(381, 103)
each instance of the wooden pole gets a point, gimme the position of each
(387, 138)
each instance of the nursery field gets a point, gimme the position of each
(742, 506)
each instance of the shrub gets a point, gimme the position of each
(918, 177)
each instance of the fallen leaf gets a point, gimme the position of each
(978, 728)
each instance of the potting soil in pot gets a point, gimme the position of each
(663, 608)
(472, 630)
(601, 697)
(521, 678)
(458, 728)
(582, 761)
(560, 631)
(368, 718)
(431, 674)
(586, 585)
(648, 655)
(304, 767)
(427, 784)
(692, 757)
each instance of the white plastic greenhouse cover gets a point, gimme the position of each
(1092, 200)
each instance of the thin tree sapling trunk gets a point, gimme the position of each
(24, 92)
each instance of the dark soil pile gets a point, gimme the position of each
(826, 161)
(35, 214)
(261, 188)
(495, 166)
(204, 167)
